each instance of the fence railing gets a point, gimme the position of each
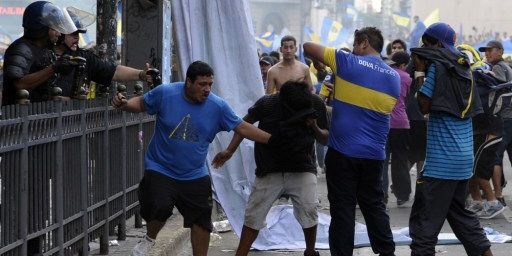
(69, 172)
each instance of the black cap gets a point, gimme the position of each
(491, 44)
(267, 60)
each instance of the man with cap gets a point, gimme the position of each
(494, 57)
(502, 71)
(96, 69)
(266, 62)
(448, 95)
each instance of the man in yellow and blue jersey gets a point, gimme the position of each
(365, 91)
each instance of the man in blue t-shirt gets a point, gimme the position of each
(365, 91)
(188, 116)
(446, 94)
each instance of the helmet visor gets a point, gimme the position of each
(58, 20)
(81, 19)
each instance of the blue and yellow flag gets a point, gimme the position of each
(311, 35)
(401, 20)
(332, 33)
(351, 12)
(266, 41)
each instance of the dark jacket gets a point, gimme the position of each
(21, 58)
(455, 91)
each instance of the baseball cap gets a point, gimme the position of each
(267, 60)
(444, 33)
(491, 44)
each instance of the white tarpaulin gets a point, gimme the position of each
(220, 32)
(283, 232)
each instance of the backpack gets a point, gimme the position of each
(494, 94)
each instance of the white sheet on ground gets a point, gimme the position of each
(283, 232)
(221, 33)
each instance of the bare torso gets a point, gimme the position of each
(282, 73)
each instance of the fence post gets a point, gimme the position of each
(140, 155)
(84, 156)
(121, 229)
(59, 183)
(106, 176)
(23, 225)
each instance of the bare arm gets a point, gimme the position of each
(253, 133)
(226, 154)
(33, 80)
(134, 105)
(321, 135)
(315, 51)
(125, 74)
(424, 102)
(271, 82)
(308, 79)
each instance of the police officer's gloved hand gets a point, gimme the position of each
(65, 64)
(153, 77)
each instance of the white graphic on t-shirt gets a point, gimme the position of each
(184, 131)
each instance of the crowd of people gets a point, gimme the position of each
(353, 113)
(454, 140)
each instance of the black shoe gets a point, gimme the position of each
(501, 200)
(315, 254)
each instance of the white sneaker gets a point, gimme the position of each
(475, 206)
(143, 247)
(490, 210)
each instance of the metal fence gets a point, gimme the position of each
(69, 172)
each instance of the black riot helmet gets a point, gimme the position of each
(40, 16)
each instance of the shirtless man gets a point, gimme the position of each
(287, 69)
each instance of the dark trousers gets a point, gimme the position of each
(400, 177)
(351, 180)
(506, 145)
(435, 201)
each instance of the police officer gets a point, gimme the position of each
(29, 62)
(97, 70)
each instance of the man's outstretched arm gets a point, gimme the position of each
(134, 105)
(244, 130)
(315, 51)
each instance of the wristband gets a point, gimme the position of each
(142, 75)
(418, 74)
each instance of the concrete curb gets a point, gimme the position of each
(171, 238)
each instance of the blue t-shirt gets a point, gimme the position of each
(365, 92)
(449, 141)
(184, 130)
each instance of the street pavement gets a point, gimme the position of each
(226, 243)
